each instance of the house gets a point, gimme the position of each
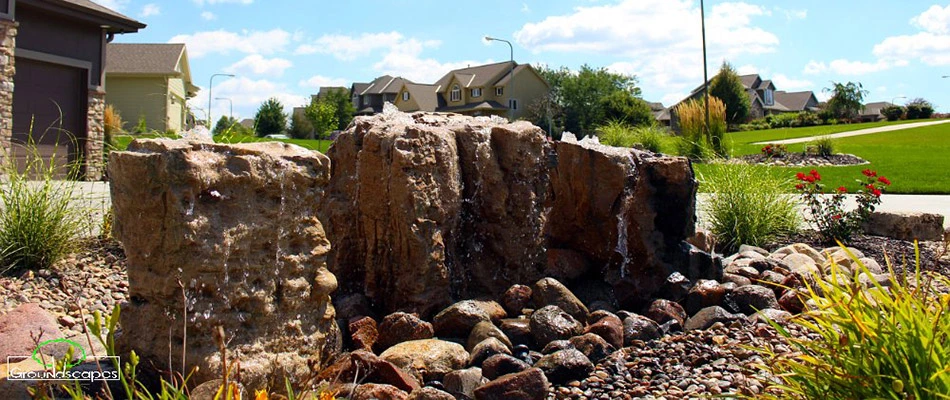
(368, 98)
(52, 88)
(480, 90)
(150, 81)
(872, 112)
(794, 102)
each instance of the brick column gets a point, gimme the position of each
(8, 31)
(95, 135)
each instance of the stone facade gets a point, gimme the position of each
(8, 31)
(95, 135)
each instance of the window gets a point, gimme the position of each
(769, 100)
(405, 96)
(513, 104)
(477, 92)
(456, 93)
(499, 91)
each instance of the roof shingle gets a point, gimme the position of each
(144, 58)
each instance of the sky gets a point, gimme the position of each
(898, 50)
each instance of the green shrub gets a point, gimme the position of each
(893, 113)
(748, 204)
(822, 146)
(870, 341)
(142, 126)
(650, 138)
(616, 134)
(783, 120)
(39, 222)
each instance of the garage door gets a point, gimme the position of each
(49, 111)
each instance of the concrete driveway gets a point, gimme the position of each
(859, 132)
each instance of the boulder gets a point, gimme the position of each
(502, 364)
(401, 327)
(662, 310)
(566, 264)
(550, 292)
(429, 359)
(430, 393)
(485, 349)
(708, 316)
(551, 323)
(233, 228)
(364, 366)
(705, 293)
(638, 327)
(458, 319)
(565, 365)
(518, 330)
(516, 298)
(609, 327)
(530, 384)
(484, 330)
(374, 391)
(18, 328)
(593, 346)
(749, 299)
(905, 225)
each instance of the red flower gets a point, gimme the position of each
(836, 217)
(842, 189)
(810, 179)
(884, 180)
(815, 174)
(800, 176)
(799, 186)
(877, 193)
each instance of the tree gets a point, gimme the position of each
(727, 86)
(624, 107)
(581, 97)
(892, 112)
(847, 99)
(225, 124)
(919, 109)
(270, 118)
(300, 126)
(342, 106)
(322, 114)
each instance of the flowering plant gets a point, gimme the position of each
(828, 214)
(774, 150)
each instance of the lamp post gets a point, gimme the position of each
(210, 85)
(230, 106)
(511, 78)
(702, 19)
(895, 99)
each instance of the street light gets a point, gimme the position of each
(230, 106)
(210, 85)
(895, 99)
(511, 79)
(702, 19)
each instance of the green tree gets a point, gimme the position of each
(847, 99)
(270, 118)
(343, 107)
(727, 86)
(919, 109)
(322, 114)
(623, 106)
(581, 98)
(300, 126)
(224, 124)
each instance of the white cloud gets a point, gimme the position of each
(116, 5)
(224, 42)
(255, 64)
(660, 35)
(935, 20)
(847, 67)
(930, 48)
(749, 69)
(814, 68)
(318, 81)
(210, 2)
(150, 9)
(348, 48)
(792, 14)
(208, 16)
(783, 82)
(405, 59)
(247, 95)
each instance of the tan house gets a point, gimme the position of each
(480, 90)
(150, 81)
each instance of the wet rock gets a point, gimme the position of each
(705, 293)
(502, 364)
(374, 391)
(662, 310)
(565, 365)
(401, 327)
(772, 315)
(593, 346)
(610, 327)
(484, 330)
(516, 298)
(792, 301)
(430, 393)
(364, 366)
(429, 358)
(237, 225)
(550, 292)
(638, 327)
(463, 382)
(485, 349)
(772, 280)
(749, 299)
(768, 264)
(551, 323)
(566, 264)
(363, 333)
(352, 305)
(738, 280)
(458, 319)
(557, 345)
(676, 287)
(530, 384)
(518, 330)
(494, 309)
(708, 316)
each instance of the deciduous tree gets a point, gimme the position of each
(590, 97)
(847, 99)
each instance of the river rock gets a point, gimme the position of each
(593, 346)
(502, 364)
(516, 298)
(458, 319)
(375, 391)
(530, 384)
(234, 228)
(430, 393)
(662, 310)
(609, 327)
(548, 292)
(18, 328)
(401, 327)
(551, 323)
(485, 349)
(705, 293)
(751, 298)
(430, 359)
(464, 381)
(708, 316)
(638, 327)
(363, 333)
(565, 365)
(484, 330)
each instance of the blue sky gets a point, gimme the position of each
(288, 49)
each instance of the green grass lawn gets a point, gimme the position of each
(794, 133)
(122, 141)
(915, 160)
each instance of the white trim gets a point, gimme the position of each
(474, 95)
(455, 94)
(405, 95)
(500, 91)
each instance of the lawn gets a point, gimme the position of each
(122, 141)
(794, 133)
(915, 160)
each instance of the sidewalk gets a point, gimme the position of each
(859, 132)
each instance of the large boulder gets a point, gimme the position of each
(429, 359)
(234, 229)
(906, 225)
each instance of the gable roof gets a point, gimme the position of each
(477, 76)
(384, 84)
(144, 58)
(750, 81)
(426, 96)
(113, 21)
(793, 101)
(874, 108)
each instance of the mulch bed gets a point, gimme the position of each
(800, 159)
